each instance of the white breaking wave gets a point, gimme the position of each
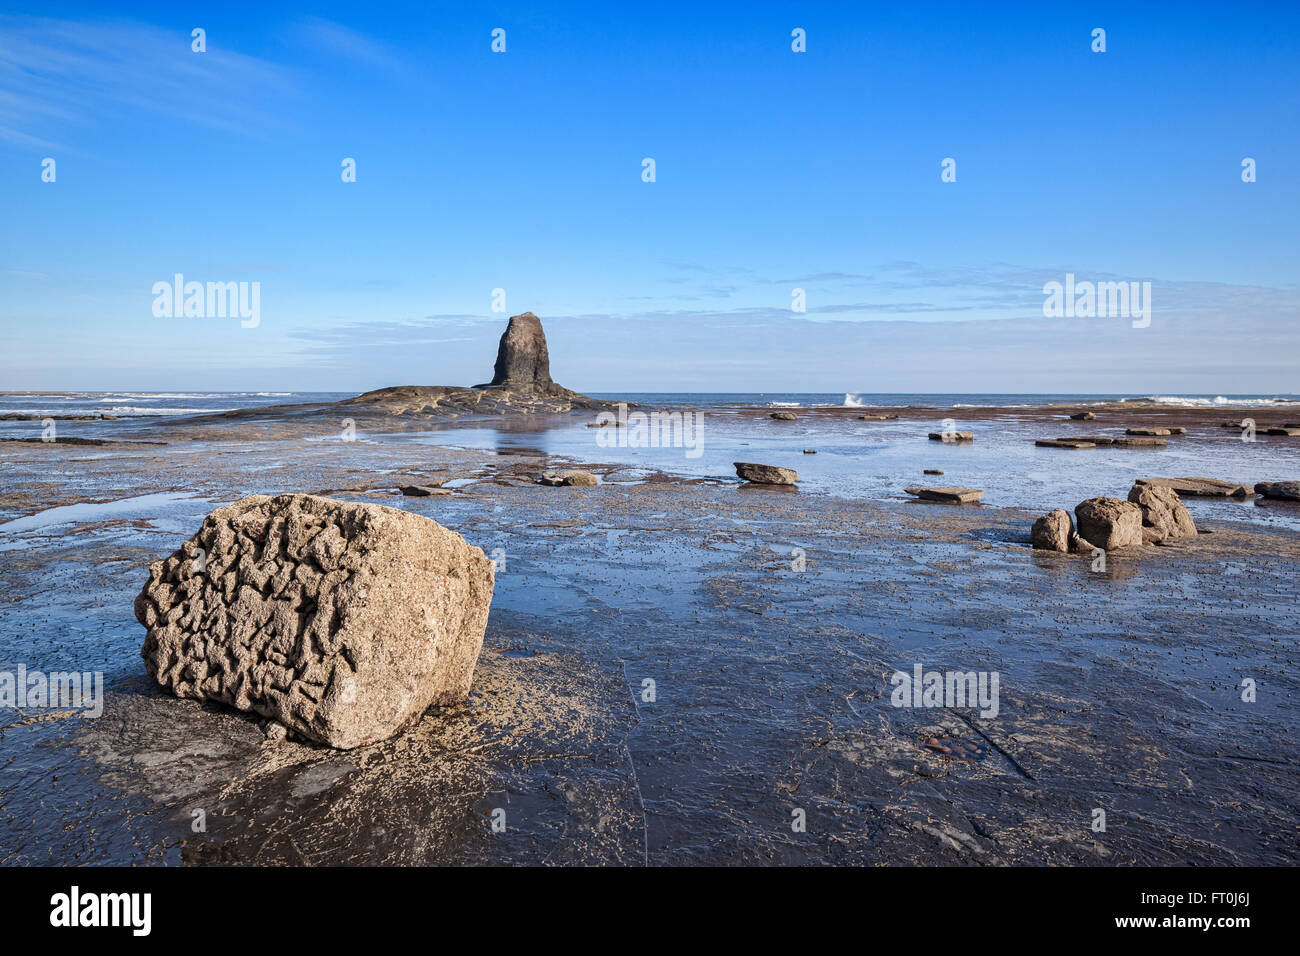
(853, 401)
(1218, 401)
(783, 405)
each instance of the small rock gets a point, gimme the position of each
(274, 731)
(1064, 443)
(572, 476)
(784, 416)
(424, 491)
(1280, 490)
(876, 418)
(1289, 431)
(1147, 431)
(765, 474)
(810, 451)
(958, 496)
(934, 471)
(952, 436)
(1083, 417)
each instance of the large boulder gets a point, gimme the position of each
(1052, 531)
(522, 358)
(1109, 523)
(765, 474)
(1163, 515)
(342, 621)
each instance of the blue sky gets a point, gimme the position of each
(774, 170)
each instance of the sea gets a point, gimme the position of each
(838, 456)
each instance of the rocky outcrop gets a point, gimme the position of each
(522, 358)
(1280, 490)
(1083, 417)
(765, 474)
(1110, 523)
(784, 416)
(342, 621)
(1120, 442)
(572, 476)
(1164, 517)
(952, 496)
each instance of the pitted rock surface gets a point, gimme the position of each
(342, 621)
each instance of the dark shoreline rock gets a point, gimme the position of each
(765, 474)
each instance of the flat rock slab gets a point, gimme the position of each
(1148, 431)
(1289, 431)
(784, 416)
(1083, 417)
(957, 496)
(1118, 442)
(572, 476)
(424, 491)
(765, 474)
(952, 436)
(1063, 443)
(1280, 490)
(876, 418)
(340, 620)
(1200, 487)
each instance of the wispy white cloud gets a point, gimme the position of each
(335, 39)
(56, 75)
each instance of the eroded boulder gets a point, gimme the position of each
(1164, 516)
(522, 358)
(1109, 523)
(1052, 531)
(342, 621)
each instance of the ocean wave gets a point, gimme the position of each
(784, 404)
(853, 401)
(1218, 401)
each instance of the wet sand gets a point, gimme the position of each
(1119, 690)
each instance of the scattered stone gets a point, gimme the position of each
(1109, 523)
(274, 731)
(1289, 431)
(1147, 431)
(1200, 487)
(1064, 443)
(1164, 516)
(572, 476)
(342, 621)
(1279, 490)
(952, 436)
(958, 496)
(784, 416)
(810, 451)
(765, 474)
(934, 471)
(1083, 417)
(1052, 531)
(424, 491)
(1177, 430)
(614, 423)
(876, 418)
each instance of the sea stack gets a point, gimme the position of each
(522, 358)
